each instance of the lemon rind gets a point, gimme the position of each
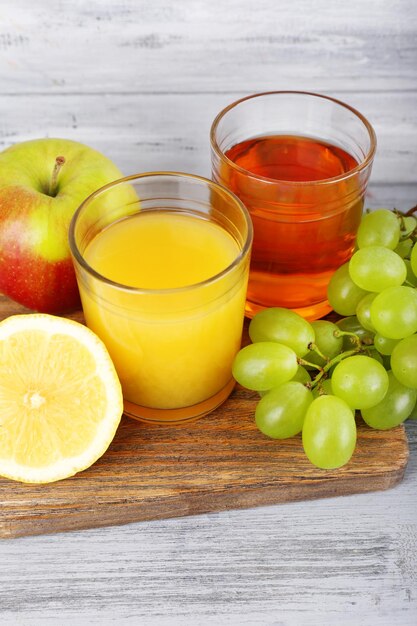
(69, 466)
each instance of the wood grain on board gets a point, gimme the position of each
(217, 463)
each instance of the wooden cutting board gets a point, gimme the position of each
(219, 462)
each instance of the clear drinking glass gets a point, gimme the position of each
(300, 162)
(173, 347)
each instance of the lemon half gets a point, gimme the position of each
(60, 398)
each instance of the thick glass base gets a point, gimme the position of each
(178, 417)
(311, 312)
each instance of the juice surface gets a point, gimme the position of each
(172, 349)
(302, 232)
(291, 158)
(159, 250)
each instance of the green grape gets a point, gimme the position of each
(408, 225)
(326, 342)
(329, 432)
(394, 312)
(351, 325)
(376, 268)
(301, 375)
(404, 248)
(280, 413)
(379, 228)
(394, 408)
(342, 293)
(386, 361)
(363, 311)
(323, 388)
(404, 361)
(411, 277)
(413, 259)
(413, 414)
(384, 345)
(261, 366)
(360, 381)
(374, 354)
(283, 326)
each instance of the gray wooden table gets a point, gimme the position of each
(141, 81)
(348, 560)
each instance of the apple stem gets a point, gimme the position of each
(59, 162)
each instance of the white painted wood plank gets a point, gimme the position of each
(207, 45)
(165, 131)
(349, 560)
(401, 197)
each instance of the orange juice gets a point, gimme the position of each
(172, 329)
(158, 250)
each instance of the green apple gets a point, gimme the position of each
(42, 183)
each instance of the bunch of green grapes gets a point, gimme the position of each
(313, 377)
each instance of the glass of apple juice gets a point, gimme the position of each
(162, 262)
(300, 162)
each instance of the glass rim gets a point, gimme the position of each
(172, 290)
(297, 183)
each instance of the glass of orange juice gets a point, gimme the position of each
(162, 263)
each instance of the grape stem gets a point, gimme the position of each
(321, 388)
(301, 361)
(345, 333)
(314, 348)
(332, 362)
(411, 211)
(322, 370)
(400, 216)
